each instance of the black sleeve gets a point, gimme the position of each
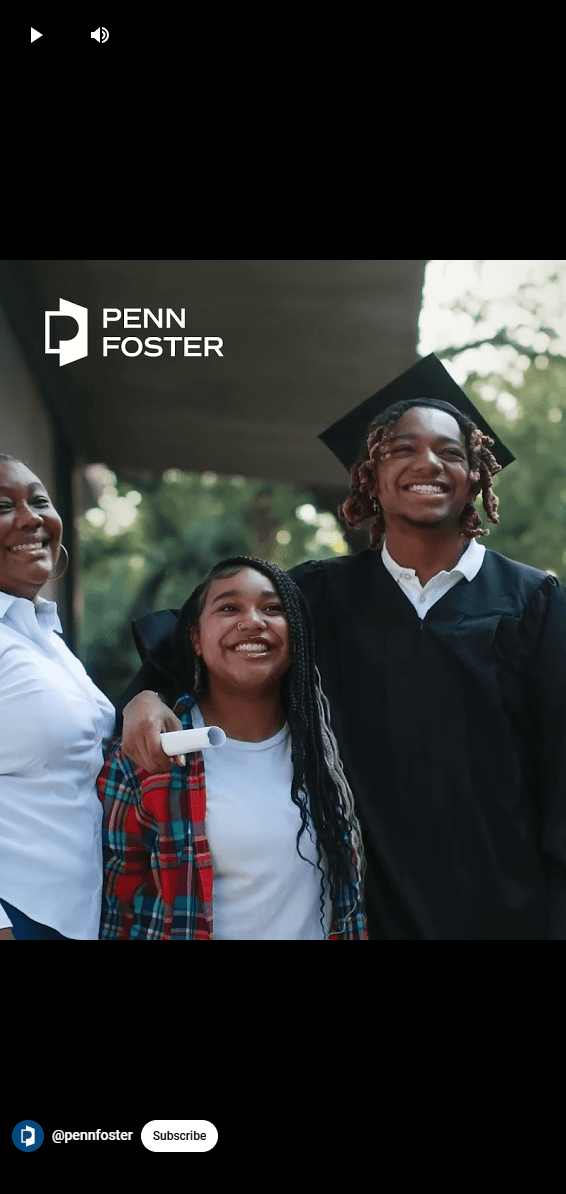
(147, 677)
(547, 611)
(310, 579)
(153, 636)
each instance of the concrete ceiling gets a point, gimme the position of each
(303, 343)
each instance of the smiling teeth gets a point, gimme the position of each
(425, 489)
(257, 648)
(29, 547)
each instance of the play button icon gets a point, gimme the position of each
(35, 35)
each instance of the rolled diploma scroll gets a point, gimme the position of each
(181, 742)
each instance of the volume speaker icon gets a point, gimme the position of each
(98, 32)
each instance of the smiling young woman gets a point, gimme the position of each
(211, 851)
(242, 637)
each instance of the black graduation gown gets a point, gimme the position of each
(452, 731)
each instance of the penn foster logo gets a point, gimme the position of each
(27, 1136)
(69, 350)
(131, 346)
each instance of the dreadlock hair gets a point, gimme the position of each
(363, 499)
(318, 775)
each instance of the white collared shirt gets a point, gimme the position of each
(425, 596)
(54, 725)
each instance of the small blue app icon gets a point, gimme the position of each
(27, 1136)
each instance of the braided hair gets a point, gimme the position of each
(363, 499)
(318, 776)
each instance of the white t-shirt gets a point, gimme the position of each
(263, 890)
(54, 725)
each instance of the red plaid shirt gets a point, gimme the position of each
(158, 880)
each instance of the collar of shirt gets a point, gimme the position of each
(468, 566)
(44, 613)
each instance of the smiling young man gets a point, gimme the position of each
(422, 484)
(444, 665)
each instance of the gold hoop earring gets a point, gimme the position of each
(63, 548)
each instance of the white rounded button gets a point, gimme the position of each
(179, 1135)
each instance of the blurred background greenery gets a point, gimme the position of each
(532, 491)
(149, 540)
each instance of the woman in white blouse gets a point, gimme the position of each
(54, 726)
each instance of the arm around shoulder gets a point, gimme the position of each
(145, 718)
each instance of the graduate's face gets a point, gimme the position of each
(424, 475)
(30, 531)
(243, 632)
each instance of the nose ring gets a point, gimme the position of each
(239, 627)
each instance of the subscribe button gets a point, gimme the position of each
(179, 1135)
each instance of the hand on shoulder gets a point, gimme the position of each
(145, 718)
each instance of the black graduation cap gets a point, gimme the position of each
(427, 380)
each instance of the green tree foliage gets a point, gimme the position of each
(530, 417)
(532, 491)
(181, 525)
